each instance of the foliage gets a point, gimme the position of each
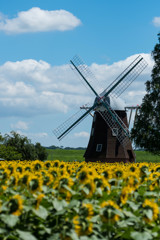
(146, 132)
(20, 147)
(81, 201)
(9, 152)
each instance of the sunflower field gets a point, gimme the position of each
(56, 200)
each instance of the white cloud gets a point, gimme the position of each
(31, 87)
(82, 134)
(20, 125)
(156, 21)
(39, 20)
(38, 135)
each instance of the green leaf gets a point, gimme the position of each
(73, 203)
(26, 235)
(141, 235)
(73, 235)
(94, 219)
(41, 212)
(11, 237)
(2, 231)
(56, 236)
(149, 213)
(59, 205)
(99, 191)
(10, 220)
(133, 205)
(86, 190)
(69, 189)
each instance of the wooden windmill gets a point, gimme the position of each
(109, 139)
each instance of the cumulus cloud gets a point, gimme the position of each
(82, 135)
(34, 87)
(156, 21)
(31, 87)
(20, 125)
(39, 20)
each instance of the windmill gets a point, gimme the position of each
(109, 139)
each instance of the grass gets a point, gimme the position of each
(71, 155)
(65, 155)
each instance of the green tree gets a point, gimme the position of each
(21, 148)
(146, 132)
(9, 153)
(41, 152)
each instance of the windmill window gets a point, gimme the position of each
(114, 132)
(99, 148)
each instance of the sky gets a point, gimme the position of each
(38, 88)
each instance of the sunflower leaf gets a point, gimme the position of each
(25, 235)
(141, 235)
(41, 212)
(9, 220)
(59, 205)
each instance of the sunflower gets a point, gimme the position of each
(89, 185)
(37, 165)
(47, 164)
(109, 211)
(34, 183)
(56, 163)
(15, 205)
(126, 191)
(150, 205)
(82, 226)
(83, 175)
(48, 179)
(86, 210)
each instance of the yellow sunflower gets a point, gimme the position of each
(150, 205)
(83, 226)
(89, 185)
(126, 191)
(86, 210)
(15, 205)
(34, 183)
(108, 211)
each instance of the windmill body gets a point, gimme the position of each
(103, 145)
(109, 138)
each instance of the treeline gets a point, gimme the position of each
(13, 146)
(66, 148)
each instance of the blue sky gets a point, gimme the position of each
(38, 88)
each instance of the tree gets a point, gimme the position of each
(20, 147)
(9, 153)
(146, 132)
(41, 152)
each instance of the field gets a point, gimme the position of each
(57, 200)
(71, 155)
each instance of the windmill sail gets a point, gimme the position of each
(122, 82)
(82, 71)
(118, 125)
(71, 122)
(87, 75)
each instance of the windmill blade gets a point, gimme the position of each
(115, 122)
(89, 79)
(72, 122)
(122, 82)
